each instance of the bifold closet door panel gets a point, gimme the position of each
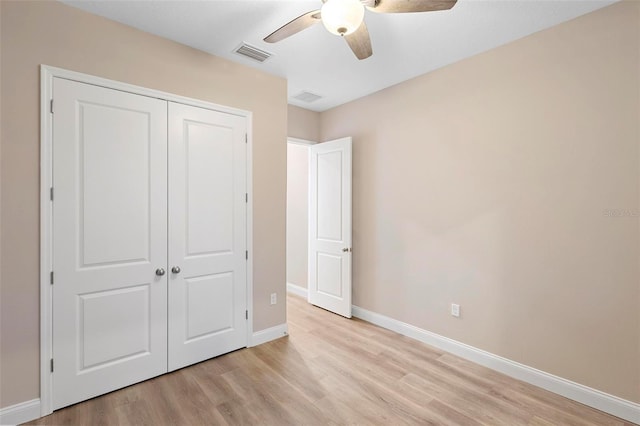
(109, 240)
(207, 234)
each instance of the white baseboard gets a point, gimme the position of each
(269, 334)
(297, 290)
(20, 413)
(619, 407)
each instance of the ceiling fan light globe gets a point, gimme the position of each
(342, 17)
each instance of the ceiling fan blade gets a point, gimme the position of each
(300, 23)
(405, 6)
(360, 42)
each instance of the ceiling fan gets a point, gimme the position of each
(346, 18)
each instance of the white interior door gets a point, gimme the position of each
(330, 226)
(109, 237)
(207, 234)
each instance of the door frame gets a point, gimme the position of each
(47, 74)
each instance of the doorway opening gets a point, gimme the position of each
(319, 223)
(297, 239)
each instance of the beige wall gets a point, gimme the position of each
(303, 124)
(35, 33)
(485, 183)
(297, 213)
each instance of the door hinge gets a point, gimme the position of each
(246, 138)
(52, 365)
(246, 254)
(246, 314)
(51, 277)
(51, 106)
(246, 197)
(51, 193)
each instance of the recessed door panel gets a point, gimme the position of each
(203, 321)
(329, 274)
(329, 187)
(114, 213)
(114, 325)
(207, 187)
(109, 237)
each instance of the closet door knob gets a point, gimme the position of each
(159, 272)
(176, 269)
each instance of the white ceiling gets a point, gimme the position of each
(404, 45)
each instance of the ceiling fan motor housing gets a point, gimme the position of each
(342, 17)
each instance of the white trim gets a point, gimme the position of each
(297, 141)
(138, 90)
(46, 240)
(297, 290)
(250, 228)
(269, 334)
(47, 74)
(619, 407)
(20, 413)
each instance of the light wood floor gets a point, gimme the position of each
(334, 371)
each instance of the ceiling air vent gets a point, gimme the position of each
(252, 52)
(307, 97)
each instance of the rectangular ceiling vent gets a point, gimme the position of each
(307, 97)
(252, 52)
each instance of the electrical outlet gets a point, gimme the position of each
(274, 298)
(455, 310)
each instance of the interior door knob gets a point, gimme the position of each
(176, 269)
(345, 249)
(159, 272)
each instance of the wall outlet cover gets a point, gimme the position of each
(455, 310)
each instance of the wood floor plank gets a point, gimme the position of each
(332, 371)
(293, 368)
(236, 413)
(366, 402)
(340, 413)
(449, 415)
(136, 412)
(473, 401)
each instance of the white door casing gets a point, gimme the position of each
(207, 234)
(330, 226)
(110, 236)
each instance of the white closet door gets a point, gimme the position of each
(109, 237)
(207, 234)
